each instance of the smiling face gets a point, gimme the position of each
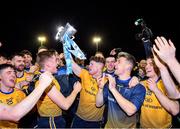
(96, 65)
(150, 68)
(27, 60)
(110, 63)
(18, 62)
(7, 77)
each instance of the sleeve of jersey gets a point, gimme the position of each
(138, 96)
(83, 73)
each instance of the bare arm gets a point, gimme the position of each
(174, 66)
(76, 68)
(99, 95)
(169, 84)
(170, 105)
(166, 51)
(15, 113)
(167, 80)
(58, 98)
(99, 98)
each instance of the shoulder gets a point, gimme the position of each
(84, 72)
(140, 87)
(18, 91)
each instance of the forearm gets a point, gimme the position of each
(70, 99)
(76, 68)
(174, 66)
(169, 84)
(170, 105)
(99, 98)
(126, 105)
(22, 108)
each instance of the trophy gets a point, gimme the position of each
(68, 29)
(66, 35)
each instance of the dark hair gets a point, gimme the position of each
(26, 52)
(117, 50)
(99, 52)
(44, 55)
(3, 55)
(129, 57)
(16, 54)
(97, 59)
(4, 66)
(156, 69)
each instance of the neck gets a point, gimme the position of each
(155, 77)
(45, 69)
(124, 76)
(5, 88)
(19, 73)
(110, 71)
(97, 75)
(28, 65)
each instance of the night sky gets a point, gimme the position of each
(22, 22)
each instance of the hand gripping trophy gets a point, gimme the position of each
(66, 35)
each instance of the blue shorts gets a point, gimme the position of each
(80, 123)
(51, 122)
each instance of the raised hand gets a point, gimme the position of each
(164, 49)
(33, 68)
(152, 84)
(158, 62)
(45, 79)
(77, 87)
(112, 82)
(101, 81)
(133, 82)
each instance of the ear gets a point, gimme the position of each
(129, 67)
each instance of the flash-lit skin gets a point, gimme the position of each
(110, 64)
(3, 60)
(16, 112)
(150, 72)
(51, 64)
(121, 66)
(8, 78)
(18, 62)
(27, 60)
(95, 68)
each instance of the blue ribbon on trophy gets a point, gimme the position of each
(66, 36)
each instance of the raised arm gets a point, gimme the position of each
(15, 113)
(64, 102)
(99, 95)
(169, 84)
(166, 51)
(76, 68)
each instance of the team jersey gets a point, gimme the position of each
(10, 99)
(87, 109)
(46, 107)
(21, 79)
(153, 115)
(117, 118)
